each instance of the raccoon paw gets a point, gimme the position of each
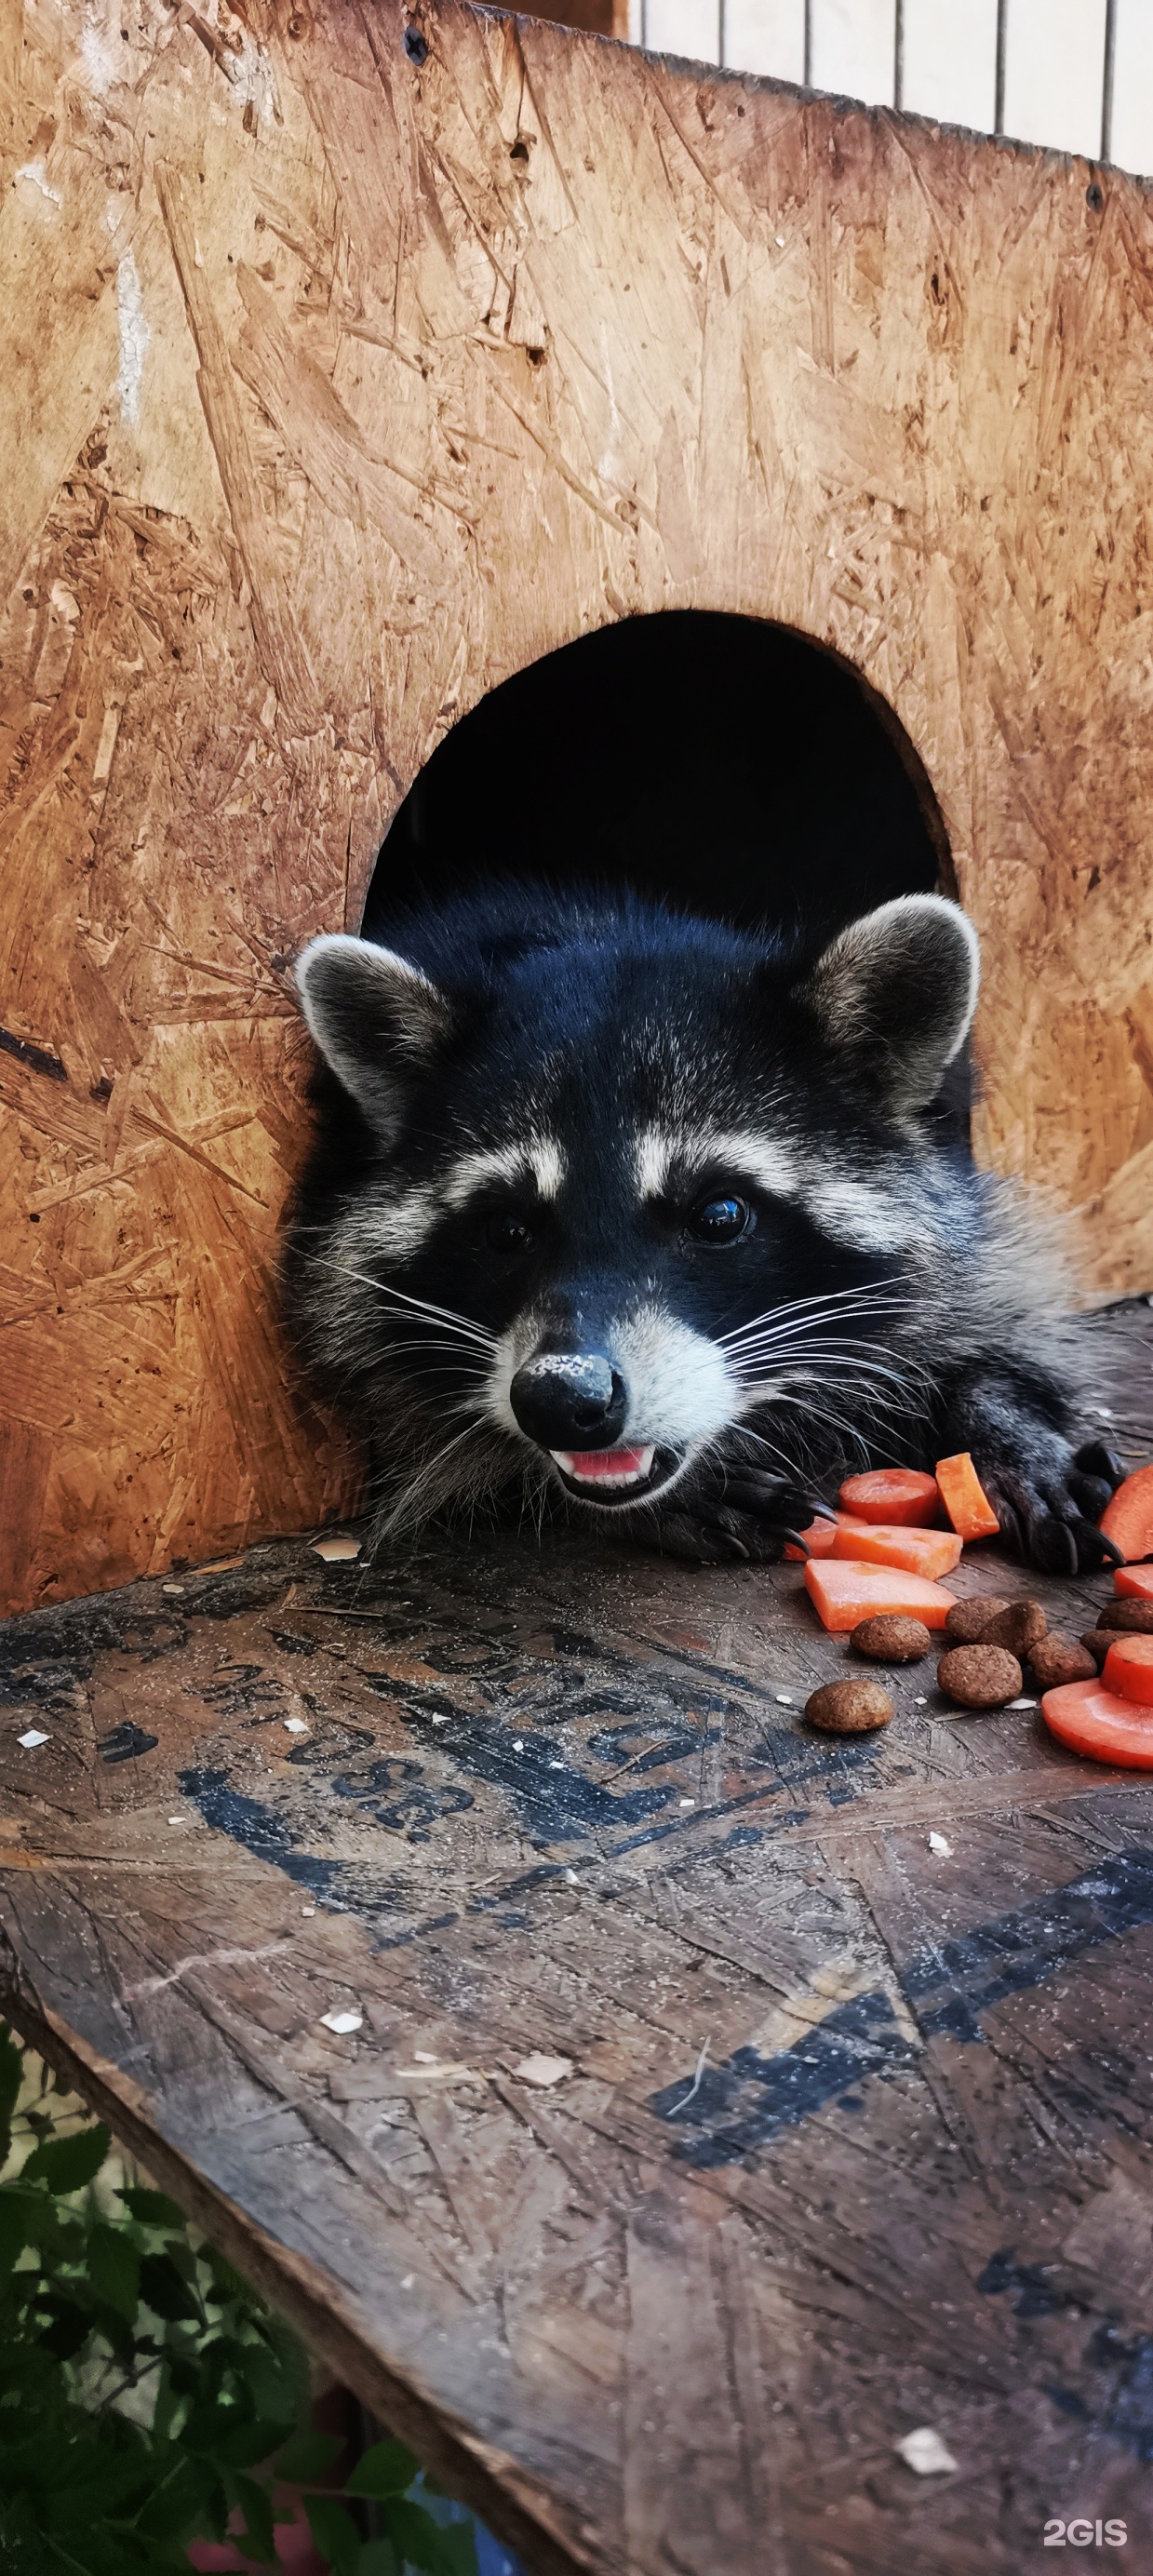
(739, 1516)
(1050, 1519)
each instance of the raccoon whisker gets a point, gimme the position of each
(805, 1311)
(858, 1376)
(785, 1353)
(465, 1324)
(777, 1455)
(407, 1503)
(851, 1432)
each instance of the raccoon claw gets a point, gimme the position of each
(699, 1542)
(1051, 1528)
(741, 1515)
(1094, 1458)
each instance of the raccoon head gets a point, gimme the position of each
(621, 1185)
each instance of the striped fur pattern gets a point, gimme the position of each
(669, 1225)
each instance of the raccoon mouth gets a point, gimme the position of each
(609, 1475)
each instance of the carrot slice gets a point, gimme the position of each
(1094, 1721)
(1134, 1582)
(899, 1497)
(842, 1593)
(919, 1551)
(965, 1498)
(1128, 1519)
(819, 1537)
(1129, 1669)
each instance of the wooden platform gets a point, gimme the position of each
(853, 2136)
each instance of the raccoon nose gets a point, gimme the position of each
(570, 1399)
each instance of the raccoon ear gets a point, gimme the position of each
(375, 1019)
(897, 991)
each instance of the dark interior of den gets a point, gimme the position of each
(732, 766)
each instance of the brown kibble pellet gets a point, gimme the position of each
(891, 1639)
(1056, 1660)
(849, 1708)
(1096, 1642)
(1018, 1627)
(979, 1676)
(967, 1620)
(1136, 1616)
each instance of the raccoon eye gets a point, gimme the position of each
(721, 1221)
(509, 1233)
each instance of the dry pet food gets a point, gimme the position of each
(979, 1676)
(1057, 1660)
(888, 1639)
(849, 1708)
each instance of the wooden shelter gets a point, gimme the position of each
(352, 359)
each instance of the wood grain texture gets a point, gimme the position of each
(336, 387)
(855, 2136)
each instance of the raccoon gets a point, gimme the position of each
(674, 1221)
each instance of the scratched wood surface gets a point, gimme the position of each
(350, 360)
(849, 2137)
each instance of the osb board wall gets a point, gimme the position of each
(346, 369)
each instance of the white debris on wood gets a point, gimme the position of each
(784, 1699)
(543, 2071)
(336, 1551)
(432, 2070)
(36, 172)
(34, 1736)
(938, 1844)
(1020, 1703)
(925, 2453)
(134, 338)
(686, 1802)
(172, 1587)
(296, 1726)
(343, 2023)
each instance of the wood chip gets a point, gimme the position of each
(342, 2022)
(336, 1551)
(543, 2071)
(925, 2452)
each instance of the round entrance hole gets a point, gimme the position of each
(731, 766)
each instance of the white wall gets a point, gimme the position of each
(1053, 59)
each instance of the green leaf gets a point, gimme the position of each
(20, 2213)
(334, 2532)
(308, 2456)
(152, 2208)
(114, 2268)
(248, 2443)
(387, 2470)
(458, 2548)
(11, 2077)
(378, 2558)
(418, 2538)
(163, 2290)
(257, 2537)
(66, 2164)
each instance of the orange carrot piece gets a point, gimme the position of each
(1094, 1721)
(1129, 1669)
(918, 1551)
(1128, 1519)
(965, 1498)
(1134, 1582)
(842, 1594)
(899, 1497)
(819, 1537)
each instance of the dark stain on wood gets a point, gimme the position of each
(848, 2136)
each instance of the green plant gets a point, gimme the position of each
(147, 2396)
